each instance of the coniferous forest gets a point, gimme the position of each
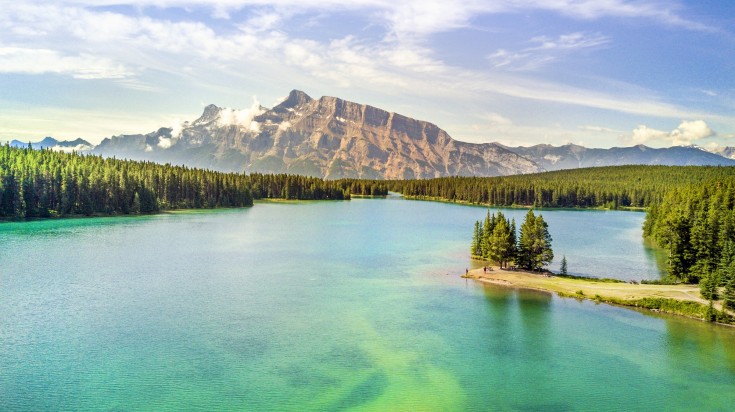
(608, 187)
(44, 183)
(696, 225)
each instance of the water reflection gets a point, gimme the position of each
(703, 344)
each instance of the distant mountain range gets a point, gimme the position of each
(572, 156)
(728, 152)
(79, 145)
(333, 138)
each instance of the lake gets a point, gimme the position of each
(332, 306)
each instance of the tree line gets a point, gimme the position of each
(607, 187)
(696, 226)
(496, 240)
(285, 186)
(44, 183)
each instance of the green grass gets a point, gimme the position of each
(677, 307)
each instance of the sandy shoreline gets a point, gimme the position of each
(626, 294)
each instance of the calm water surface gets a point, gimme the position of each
(333, 306)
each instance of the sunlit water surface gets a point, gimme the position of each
(333, 306)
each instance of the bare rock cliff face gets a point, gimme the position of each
(326, 137)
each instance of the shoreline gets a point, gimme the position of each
(683, 300)
(517, 206)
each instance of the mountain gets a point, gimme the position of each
(326, 137)
(334, 138)
(728, 152)
(572, 156)
(78, 145)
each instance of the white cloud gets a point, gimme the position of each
(263, 21)
(176, 127)
(243, 118)
(644, 134)
(545, 50)
(687, 133)
(69, 149)
(164, 142)
(496, 119)
(87, 42)
(570, 41)
(42, 61)
(284, 126)
(599, 129)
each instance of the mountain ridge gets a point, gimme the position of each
(327, 137)
(334, 138)
(78, 144)
(572, 156)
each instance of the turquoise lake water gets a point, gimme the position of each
(332, 306)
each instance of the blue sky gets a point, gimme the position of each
(600, 73)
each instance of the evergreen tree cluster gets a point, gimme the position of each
(496, 240)
(608, 187)
(44, 183)
(365, 187)
(696, 225)
(285, 186)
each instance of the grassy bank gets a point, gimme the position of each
(684, 300)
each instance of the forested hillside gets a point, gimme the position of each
(45, 183)
(696, 225)
(611, 187)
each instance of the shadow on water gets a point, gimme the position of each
(656, 254)
(521, 347)
(702, 344)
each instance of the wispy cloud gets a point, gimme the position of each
(42, 61)
(220, 40)
(599, 129)
(545, 50)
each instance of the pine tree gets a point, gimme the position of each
(476, 249)
(534, 246)
(513, 240)
(728, 295)
(502, 244)
(726, 274)
(526, 240)
(708, 285)
(487, 231)
(543, 252)
(563, 268)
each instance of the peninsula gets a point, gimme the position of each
(679, 299)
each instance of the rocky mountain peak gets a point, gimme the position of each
(210, 114)
(295, 99)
